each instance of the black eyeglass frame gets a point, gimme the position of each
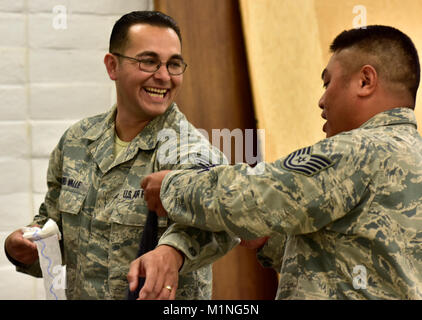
(158, 65)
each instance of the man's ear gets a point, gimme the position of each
(368, 80)
(111, 65)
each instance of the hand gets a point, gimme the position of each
(254, 243)
(152, 186)
(160, 268)
(21, 249)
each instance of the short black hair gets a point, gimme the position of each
(118, 38)
(396, 58)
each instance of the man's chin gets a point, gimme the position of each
(324, 129)
(156, 110)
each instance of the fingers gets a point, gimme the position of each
(167, 293)
(168, 287)
(254, 243)
(21, 249)
(173, 292)
(144, 182)
(159, 286)
(152, 186)
(157, 281)
(140, 267)
(160, 211)
(29, 244)
(133, 275)
(152, 286)
(160, 267)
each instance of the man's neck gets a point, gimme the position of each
(127, 128)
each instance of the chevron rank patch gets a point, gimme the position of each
(302, 161)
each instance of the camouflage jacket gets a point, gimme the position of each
(346, 212)
(97, 202)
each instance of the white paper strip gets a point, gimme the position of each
(54, 274)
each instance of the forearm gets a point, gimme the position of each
(221, 199)
(199, 247)
(271, 254)
(277, 201)
(48, 208)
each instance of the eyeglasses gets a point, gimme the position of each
(174, 66)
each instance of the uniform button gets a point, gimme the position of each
(192, 251)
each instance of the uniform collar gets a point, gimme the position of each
(145, 140)
(101, 136)
(394, 116)
(98, 129)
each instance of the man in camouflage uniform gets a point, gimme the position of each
(344, 216)
(94, 191)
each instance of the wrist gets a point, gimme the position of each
(177, 255)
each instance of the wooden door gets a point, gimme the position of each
(216, 94)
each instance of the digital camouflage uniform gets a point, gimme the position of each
(347, 209)
(98, 205)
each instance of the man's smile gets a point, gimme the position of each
(156, 92)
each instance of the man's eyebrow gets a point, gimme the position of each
(147, 53)
(176, 56)
(155, 55)
(323, 73)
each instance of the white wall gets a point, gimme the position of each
(49, 78)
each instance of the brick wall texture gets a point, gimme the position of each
(51, 75)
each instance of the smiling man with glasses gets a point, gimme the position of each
(103, 216)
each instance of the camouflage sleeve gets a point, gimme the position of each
(271, 254)
(199, 247)
(48, 208)
(298, 194)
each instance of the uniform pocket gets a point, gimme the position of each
(128, 218)
(71, 202)
(132, 211)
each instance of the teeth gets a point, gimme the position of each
(156, 95)
(156, 90)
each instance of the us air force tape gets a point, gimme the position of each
(302, 161)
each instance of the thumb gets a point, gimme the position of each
(144, 182)
(29, 244)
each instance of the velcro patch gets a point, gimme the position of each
(302, 161)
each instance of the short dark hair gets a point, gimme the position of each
(393, 53)
(118, 38)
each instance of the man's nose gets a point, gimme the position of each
(321, 102)
(162, 73)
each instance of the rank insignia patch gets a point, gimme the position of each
(302, 161)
